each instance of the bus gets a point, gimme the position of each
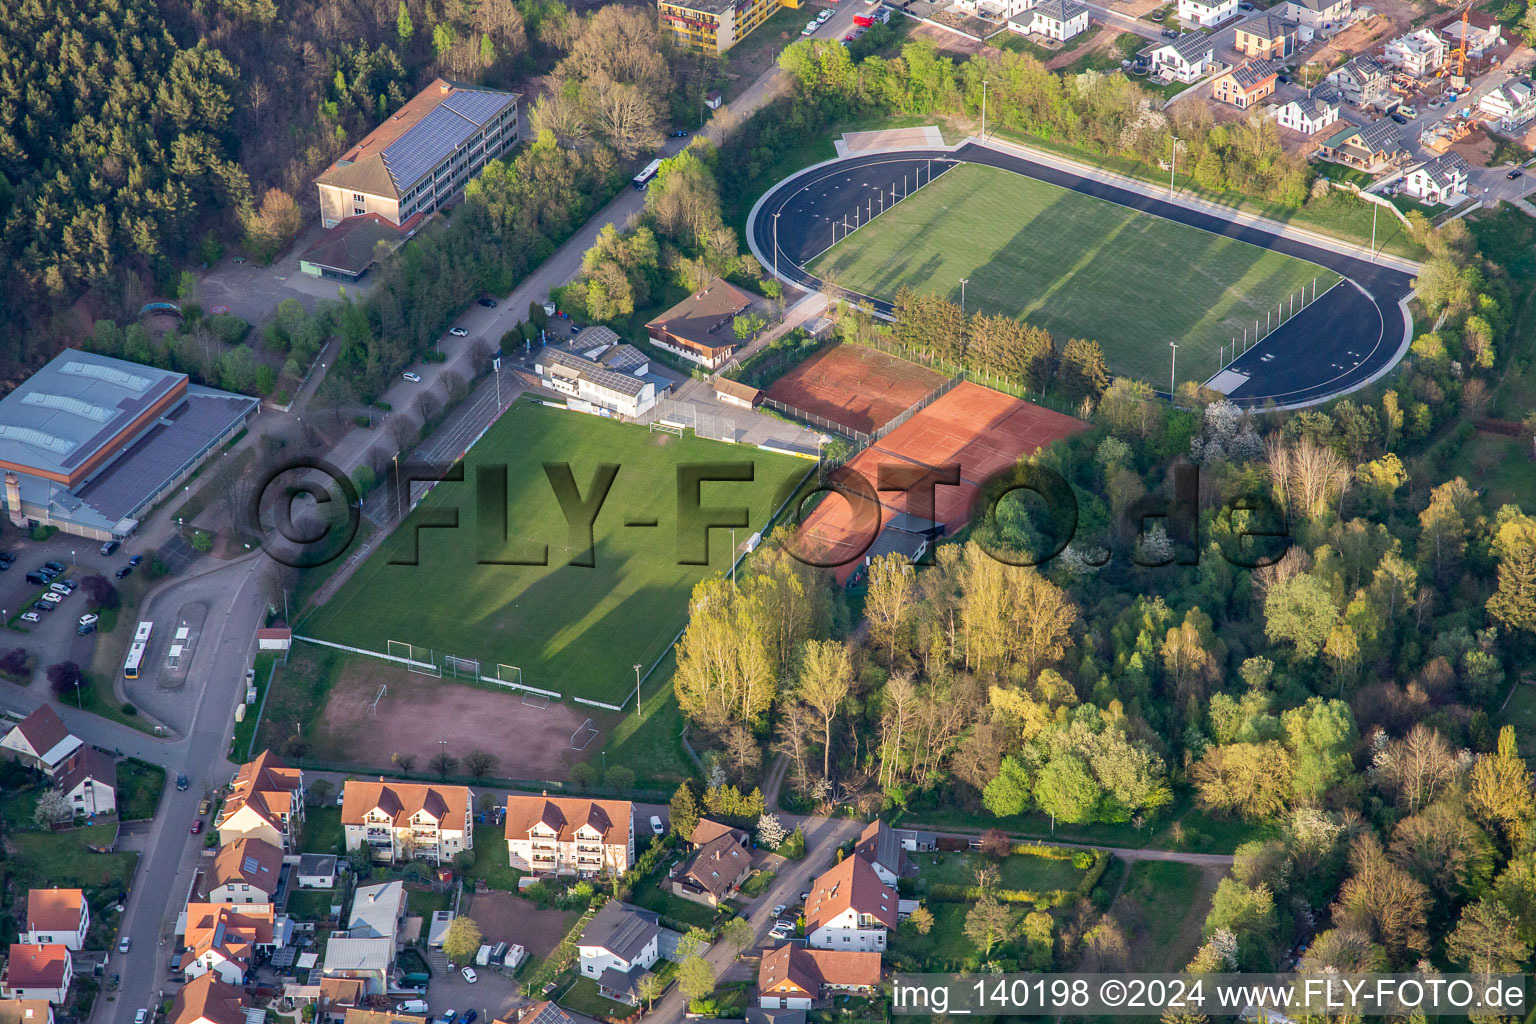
(643, 179)
(137, 650)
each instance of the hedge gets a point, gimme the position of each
(950, 892)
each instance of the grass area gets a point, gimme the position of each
(95, 695)
(1041, 874)
(322, 831)
(1127, 44)
(1060, 260)
(62, 859)
(424, 902)
(139, 785)
(583, 997)
(1520, 712)
(650, 895)
(651, 744)
(1018, 44)
(1501, 466)
(945, 945)
(312, 904)
(758, 883)
(299, 692)
(572, 629)
(1507, 237)
(1162, 909)
(1343, 172)
(245, 731)
(491, 865)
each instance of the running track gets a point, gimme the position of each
(1340, 343)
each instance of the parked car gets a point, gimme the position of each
(182, 782)
(90, 619)
(122, 947)
(783, 925)
(656, 828)
(197, 826)
(42, 606)
(448, 1017)
(1512, 175)
(53, 597)
(469, 976)
(809, 29)
(470, 1017)
(65, 587)
(458, 332)
(681, 133)
(54, 567)
(124, 571)
(805, 896)
(1169, 33)
(488, 303)
(140, 1017)
(1399, 118)
(36, 578)
(824, 16)
(31, 617)
(778, 911)
(202, 808)
(85, 630)
(414, 378)
(136, 559)
(109, 548)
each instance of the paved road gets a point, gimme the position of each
(1294, 367)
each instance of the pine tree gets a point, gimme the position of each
(685, 811)
(404, 27)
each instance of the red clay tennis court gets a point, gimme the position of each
(858, 387)
(981, 430)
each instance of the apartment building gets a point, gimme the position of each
(850, 908)
(421, 157)
(1418, 53)
(714, 26)
(266, 802)
(564, 835)
(407, 820)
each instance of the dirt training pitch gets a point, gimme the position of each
(858, 387)
(419, 711)
(981, 430)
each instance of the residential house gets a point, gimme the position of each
(714, 26)
(914, 841)
(716, 869)
(700, 328)
(1511, 104)
(208, 1000)
(26, 1011)
(41, 972)
(408, 820)
(378, 912)
(546, 1013)
(570, 835)
(793, 977)
(1368, 147)
(1206, 13)
(1307, 114)
(1439, 180)
(592, 386)
(338, 995)
(617, 948)
(1419, 53)
(224, 939)
(370, 960)
(266, 802)
(1247, 84)
(1483, 32)
(316, 871)
(57, 917)
(1324, 17)
(1266, 35)
(1054, 19)
(88, 782)
(1184, 59)
(421, 157)
(880, 845)
(360, 1016)
(245, 871)
(41, 741)
(850, 908)
(1362, 81)
(735, 393)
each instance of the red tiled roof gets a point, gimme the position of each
(794, 967)
(567, 814)
(207, 998)
(853, 883)
(403, 800)
(36, 966)
(54, 910)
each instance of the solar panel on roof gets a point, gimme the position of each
(475, 105)
(425, 145)
(250, 866)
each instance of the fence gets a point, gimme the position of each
(1283, 314)
(934, 361)
(924, 175)
(813, 420)
(432, 666)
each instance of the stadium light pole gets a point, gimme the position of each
(963, 282)
(637, 691)
(1173, 370)
(776, 244)
(983, 109)
(1173, 164)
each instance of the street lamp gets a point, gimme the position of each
(637, 691)
(1173, 163)
(963, 282)
(1173, 369)
(776, 245)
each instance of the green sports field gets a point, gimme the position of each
(1078, 266)
(576, 630)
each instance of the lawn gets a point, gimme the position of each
(491, 864)
(945, 945)
(245, 731)
(312, 904)
(322, 831)
(650, 745)
(45, 859)
(1520, 712)
(583, 997)
(1040, 874)
(577, 630)
(139, 785)
(1078, 266)
(650, 895)
(1162, 910)
(424, 902)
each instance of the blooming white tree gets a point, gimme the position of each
(770, 831)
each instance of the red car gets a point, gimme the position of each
(197, 826)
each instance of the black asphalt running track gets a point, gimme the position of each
(1347, 337)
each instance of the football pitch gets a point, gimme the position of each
(574, 629)
(1079, 266)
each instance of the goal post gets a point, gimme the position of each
(509, 674)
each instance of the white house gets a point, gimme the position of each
(1184, 59)
(41, 740)
(1206, 13)
(881, 846)
(88, 782)
(600, 387)
(245, 871)
(266, 802)
(1324, 17)
(795, 978)
(316, 871)
(1438, 180)
(1307, 114)
(57, 917)
(1418, 53)
(570, 835)
(850, 908)
(1512, 104)
(617, 948)
(1054, 19)
(1362, 81)
(38, 972)
(408, 820)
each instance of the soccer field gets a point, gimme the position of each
(576, 630)
(1078, 266)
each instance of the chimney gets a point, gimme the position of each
(13, 499)
(444, 88)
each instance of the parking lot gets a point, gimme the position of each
(492, 995)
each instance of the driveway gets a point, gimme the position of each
(492, 994)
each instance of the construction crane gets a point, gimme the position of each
(1461, 54)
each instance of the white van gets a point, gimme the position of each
(412, 1006)
(483, 957)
